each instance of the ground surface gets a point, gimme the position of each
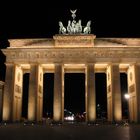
(69, 132)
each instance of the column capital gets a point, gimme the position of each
(132, 64)
(90, 63)
(138, 63)
(33, 63)
(58, 63)
(9, 64)
(2, 83)
(114, 63)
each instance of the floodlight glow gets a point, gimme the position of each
(69, 118)
(127, 96)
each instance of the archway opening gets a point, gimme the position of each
(25, 94)
(48, 91)
(124, 90)
(101, 96)
(74, 95)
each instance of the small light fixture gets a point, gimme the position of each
(126, 96)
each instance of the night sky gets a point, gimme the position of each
(39, 19)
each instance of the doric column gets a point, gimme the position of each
(17, 94)
(90, 94)
(114, 108)
(35, 93)
(58, 106)
(8, 92)
(39, 94)
(134, 90)
(1, 98)
(12, 100)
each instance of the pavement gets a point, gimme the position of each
(69, 131)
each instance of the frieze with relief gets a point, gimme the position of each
(15, 54)
(18, 89)
(109, 89)
(74, 41)
(40, 89)
(132, 88)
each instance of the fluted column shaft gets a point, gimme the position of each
(58, 96)
(35, 100)
(90, 94)
(8, 93)
(1, 98)
(134, 92)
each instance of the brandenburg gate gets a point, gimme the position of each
(71, 51)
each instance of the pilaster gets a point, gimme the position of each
(114, 93)
(8, 92)
(1, 98)
(134, 90)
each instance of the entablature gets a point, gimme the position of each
(73, 54)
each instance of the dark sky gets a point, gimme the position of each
(40, 19)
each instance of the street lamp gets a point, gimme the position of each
(126, 96)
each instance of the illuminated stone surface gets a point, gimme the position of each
(1, 97)
(74, 40)
(58, 96)
(114, 93)
(90, 96)
(71, 53)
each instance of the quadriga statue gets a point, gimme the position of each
(62, 29)
(87, 29)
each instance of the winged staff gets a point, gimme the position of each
(73, 13)
(74, 27)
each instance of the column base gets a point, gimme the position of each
(6, 122)
(116, 122)
(91, 122)
(56, 123)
